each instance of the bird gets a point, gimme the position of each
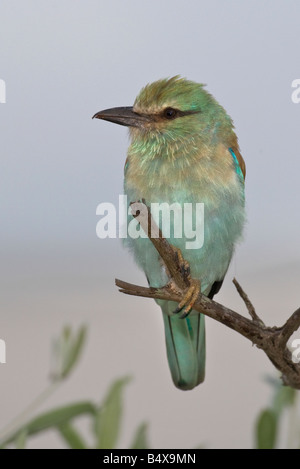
(184, 150)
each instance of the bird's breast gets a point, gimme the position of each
(203, 177)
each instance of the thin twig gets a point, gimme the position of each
(249, 305)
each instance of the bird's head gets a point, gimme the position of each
(175, 111)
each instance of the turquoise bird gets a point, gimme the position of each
(184, 150)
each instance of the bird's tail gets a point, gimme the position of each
(185, 341)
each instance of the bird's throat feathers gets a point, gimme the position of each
(167, 146)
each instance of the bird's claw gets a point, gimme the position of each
(190, 296)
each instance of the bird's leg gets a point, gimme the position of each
(183, 265)
(190, 296)
(192, 292)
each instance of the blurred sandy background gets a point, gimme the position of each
(62, 61)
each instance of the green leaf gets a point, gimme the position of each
(71, 436)
(53, 419)
(284, 397)
(108, 420)
(67, 333)
(266, 430)
(21, 439)
(73, 351)
(66, 352)
(140, 440)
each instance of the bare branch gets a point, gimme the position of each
(272, 340)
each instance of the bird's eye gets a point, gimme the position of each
(170, 113)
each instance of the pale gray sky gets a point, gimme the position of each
(64, 61)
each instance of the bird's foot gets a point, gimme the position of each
(189, 299)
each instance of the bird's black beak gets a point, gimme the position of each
(122, 116)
